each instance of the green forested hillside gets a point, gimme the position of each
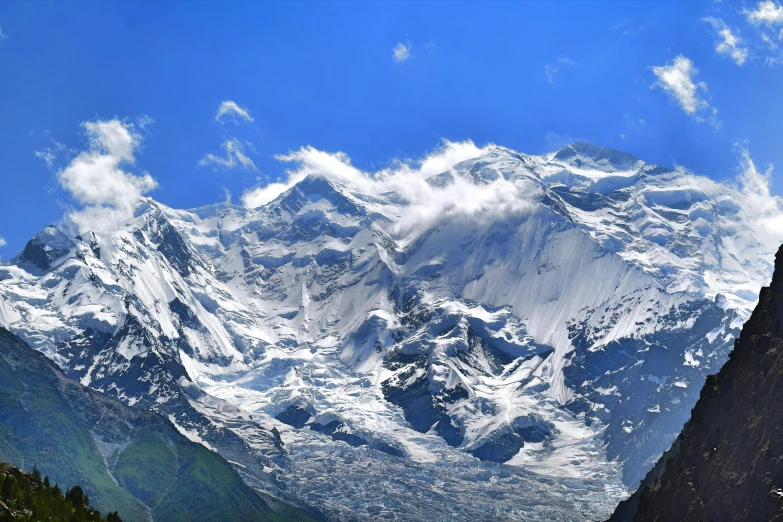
(26, 497)
(126, 460)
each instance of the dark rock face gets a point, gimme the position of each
(295, 416)
(423, 410)
(44, 249)
(726, 463)
(503, 446)
(337, 431)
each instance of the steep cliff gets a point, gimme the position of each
(727, 463)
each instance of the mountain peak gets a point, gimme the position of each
(582, 152)
(47, 246)
(314, 188)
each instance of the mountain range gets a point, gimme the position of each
(510, 336)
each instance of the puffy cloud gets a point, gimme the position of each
(401, 52)
(230, 110)
(234, 157)
(97, 180)
(728, 43)
(422, 203)
(2, 241)
(766, 12)
(677, 79)
(552, 70)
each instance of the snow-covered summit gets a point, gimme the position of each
(556, 313)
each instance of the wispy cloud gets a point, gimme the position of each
(401, 52)
(54, 152)
(2, 37)
(766, 12)
(766, 210)
(629, 28)
(3, 241)
(552, 70)
(677, 79)
(424, 203)
(230, 110)
(234, 157)
(97, 179)
(728, 43)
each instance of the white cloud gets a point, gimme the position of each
(47, 155)
(424, 203)
(96, 179)
(767, 209)
(144, 121)
(234, 157)
(230, 110)
(728, 43)
(2, 241)
(677, 79)
(772, 44)
(552, 70)
(2, 37)
(50, 154)
(766, 12)
(260, 196)
(401, 52)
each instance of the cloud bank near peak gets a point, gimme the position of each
(755, 186)
(425, 203)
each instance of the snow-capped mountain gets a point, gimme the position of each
(556, 313)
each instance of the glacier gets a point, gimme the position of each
(487, 334)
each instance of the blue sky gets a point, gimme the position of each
(672, 82)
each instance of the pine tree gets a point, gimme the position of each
(9, 487)
(36, 474)
(46, 482)
(76, 496)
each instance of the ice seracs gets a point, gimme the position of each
(555, 313)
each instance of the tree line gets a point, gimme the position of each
(26, 497)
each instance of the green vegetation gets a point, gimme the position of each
(43, 428)
(124, 460)
(26, 497)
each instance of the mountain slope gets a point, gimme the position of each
(554, 314)
(726, 463)
(27, 497)
(125, 459)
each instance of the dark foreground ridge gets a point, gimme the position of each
(28, 497)
(124, 459)
(726, 463)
